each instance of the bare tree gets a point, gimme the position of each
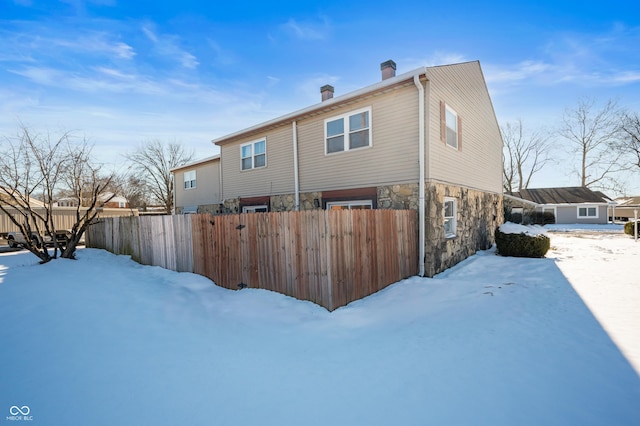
(152, 162)
(86, 185)
(593, 134)
(526, 153)
(630, 143)
(133, 189)
(31, 164)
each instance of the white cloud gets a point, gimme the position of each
(436, 58)
(627, 77)
(223, 56)
(124, 51)
(149, 33)
(306, 30)
(272, 81)
(168, 46)
(25, 44)
(309, 89)
(188, 60)
(444, 58)
(523, 71)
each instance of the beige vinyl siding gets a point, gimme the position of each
(569, 214)
(207, 189)
(392, 158)
(276, 178)
(478, 164)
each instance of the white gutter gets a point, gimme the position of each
(421, 182)
(296, 177)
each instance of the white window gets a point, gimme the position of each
(350, 205)
(450, 217)
(348, 131)
(253, 155)
(255, 209)
(190, 179)
(451, 123)
(587, 212)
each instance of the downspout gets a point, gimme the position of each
(221, 187)
(175, 194)
(296, 177)
(421, 182)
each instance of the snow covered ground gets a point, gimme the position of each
(495, 341)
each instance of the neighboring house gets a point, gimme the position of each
(66, 202)
(569, 205)
(426, 140)
(625, 208)
(5, 199)
(116, 202)
(197, 187)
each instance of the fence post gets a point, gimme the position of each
(327, 239)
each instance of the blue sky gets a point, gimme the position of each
(121, 72)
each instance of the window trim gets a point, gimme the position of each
(587, 207)
(347, 132)
(447, 110)
(192, 182)
(252, 209)
(253, 155)
(453, 218)
(444, 107)
(349, 203)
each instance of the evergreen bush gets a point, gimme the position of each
(628, 228)
(540, 218)
(515, 218)
(522, 245)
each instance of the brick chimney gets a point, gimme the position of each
(388, 69)
(327, 92)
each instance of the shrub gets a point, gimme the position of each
(628, 228)
(515, 218)
(539, 218)
(522, 245)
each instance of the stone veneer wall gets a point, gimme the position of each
(231, 205)
(212, 209)
(402, 196)
(398, 197)
(478, 214)
(287, 202)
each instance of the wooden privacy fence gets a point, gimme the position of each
(330, 257)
